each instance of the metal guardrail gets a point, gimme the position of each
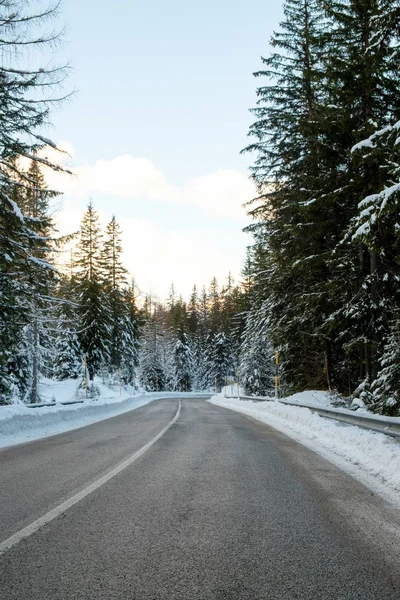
(376, 423)
(43, 404)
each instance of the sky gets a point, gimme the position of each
(155, 129)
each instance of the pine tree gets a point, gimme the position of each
(24, 110)
(93, 306)
(153, 358)
(201, 372)
(67, 360)
(14, 289)
(40, 317)
(221, 364)
(214, 306)
(385, 388)
(362, 68)
(130, 335)
(193, 312)
(122, 342)
(257, 365)
(67, 363)
(294, 164)
(183, 364)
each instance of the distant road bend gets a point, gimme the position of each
(184, 500)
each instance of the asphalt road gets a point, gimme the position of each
(220, 507)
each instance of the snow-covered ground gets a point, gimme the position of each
(19, 423)
(372, 458)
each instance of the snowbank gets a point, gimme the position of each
(373, 458)
(20, 423)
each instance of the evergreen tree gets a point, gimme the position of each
(122, 341)
(202, 379)
(67, 356)
(95, 321)
(385, 388)
(362, 69)
(24, 110)
(257, 364)
(40, 314)
(193, 312)
(183, 364)
(130, 338)
(221, 364)
(214, 306)
(67, 363)
(294, 164)
(152, 372)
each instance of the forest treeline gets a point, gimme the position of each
(326, 220)
(320, 282)
(81, 318)
(68, 309)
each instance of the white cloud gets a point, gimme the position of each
(221, 193)
(156, 253)
(157, 256)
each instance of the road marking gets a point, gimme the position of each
(52, 514)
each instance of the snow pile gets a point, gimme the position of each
(373, 458)
(312, 398)
(318, 399)
(19, 423)
(67, 390)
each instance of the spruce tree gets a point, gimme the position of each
(24, 111)
(93, 305)
(183, 364)
(130, 335)
(40, 315)
(257, 356)
(294, 163)
(154, 371)
(115, 282)
(363, 74)
(386, 388)
(193, 312)
(67, 360)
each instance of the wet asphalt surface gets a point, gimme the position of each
(221, 507)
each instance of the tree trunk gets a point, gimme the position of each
(328, 369)
(373, 257)
(35, 357)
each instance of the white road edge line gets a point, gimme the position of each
(52, 514)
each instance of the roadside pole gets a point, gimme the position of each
(85, 374)
(276, 375)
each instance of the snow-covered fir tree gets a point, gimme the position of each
(326, 168)
(257, 355)
(123, 334)
(386, 388)
(27, 90)
(94, 313)
(183, 364)
(152, 359)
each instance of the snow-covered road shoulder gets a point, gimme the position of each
(20, 423)
(372, 458)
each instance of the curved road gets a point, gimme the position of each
(219, 507)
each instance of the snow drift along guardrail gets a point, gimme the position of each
(380, 424)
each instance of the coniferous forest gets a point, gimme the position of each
(321, 280)
(326, 251)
